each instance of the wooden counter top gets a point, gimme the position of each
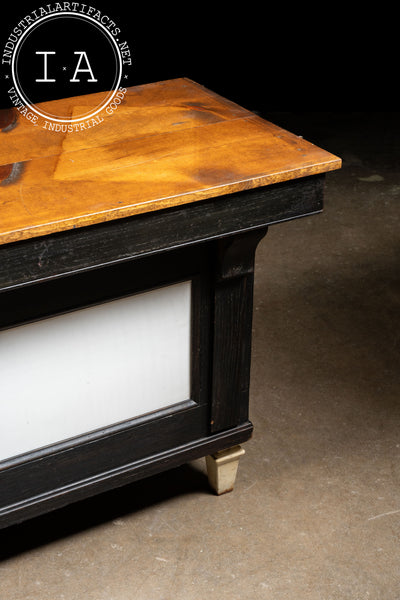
(168, 143)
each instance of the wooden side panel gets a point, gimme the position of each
(69, 470)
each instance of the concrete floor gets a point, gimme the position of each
(315, 513)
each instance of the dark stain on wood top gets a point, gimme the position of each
(170, 143)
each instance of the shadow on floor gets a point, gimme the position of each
(101, 509)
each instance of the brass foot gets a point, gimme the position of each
(222, 469)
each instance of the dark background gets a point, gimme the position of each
(265, 57)
(329, 74)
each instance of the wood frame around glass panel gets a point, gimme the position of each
(181, 185)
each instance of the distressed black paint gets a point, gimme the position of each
(211, 242)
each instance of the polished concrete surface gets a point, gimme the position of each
(315, 513)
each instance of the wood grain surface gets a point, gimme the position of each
(167, 144)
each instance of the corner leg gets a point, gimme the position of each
(222, 468)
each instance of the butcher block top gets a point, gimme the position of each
(168, 143)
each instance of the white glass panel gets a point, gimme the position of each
(94, 367)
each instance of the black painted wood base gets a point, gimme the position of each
(56, 498)
(212, 243)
